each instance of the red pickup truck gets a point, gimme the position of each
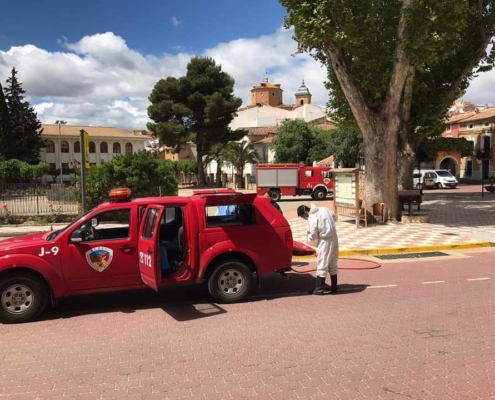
(222, 237)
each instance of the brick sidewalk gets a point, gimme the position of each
(453, 219)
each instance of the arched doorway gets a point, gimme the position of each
(450, 164)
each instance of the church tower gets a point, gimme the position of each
(266, 93)
(303, 96)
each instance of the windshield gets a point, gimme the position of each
(54, 234)
(444, 174)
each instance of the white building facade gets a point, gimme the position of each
(63, 146)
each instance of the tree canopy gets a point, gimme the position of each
(13, 170)
(197, 107)
(20, 134)
(387, 62)
(141, 172)
(298, 141)
(345, 144)
(428, 149)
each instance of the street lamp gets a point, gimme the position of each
(60, 123)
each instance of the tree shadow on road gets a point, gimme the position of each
(185, 303)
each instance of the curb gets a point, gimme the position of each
(400, 250)
(30, 232)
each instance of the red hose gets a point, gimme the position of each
(376, 265)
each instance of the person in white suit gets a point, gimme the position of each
(322, 233)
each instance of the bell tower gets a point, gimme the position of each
(303, 96)
(266, 93)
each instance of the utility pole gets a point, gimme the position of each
(60, 123)
(83, 171)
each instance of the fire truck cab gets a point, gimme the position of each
(221, 237)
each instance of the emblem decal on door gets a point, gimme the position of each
(99, 258)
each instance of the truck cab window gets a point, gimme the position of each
(326, 174)
(107, 225)
(230, 215)
(308, 173)
(171, 240)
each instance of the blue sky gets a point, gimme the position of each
(146, 25)
(96, 61)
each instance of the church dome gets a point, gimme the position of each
(303, 90)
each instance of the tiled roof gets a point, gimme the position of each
(260, 130)
(459, 117)
(93, 131)
(267, 85)
(484, 114)
(266, 139)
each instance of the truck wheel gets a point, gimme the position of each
(230, 282)
(275, 195)
(320, 194)
(22, 299)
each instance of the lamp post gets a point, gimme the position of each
(60, 123)
(483, 155)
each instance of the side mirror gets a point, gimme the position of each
(94, 222)
(76, 237)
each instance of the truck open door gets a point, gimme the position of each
(148, 247)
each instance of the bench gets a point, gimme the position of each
(410, 197)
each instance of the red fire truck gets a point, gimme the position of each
(294, 180)
(223, 237)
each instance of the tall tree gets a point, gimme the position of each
(4, 127)
(376, 51)
(345, 145)
(296, 141)
(25, 137)
(197, 107)
(238, 154)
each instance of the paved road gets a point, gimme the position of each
(408, 330)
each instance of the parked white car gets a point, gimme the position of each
(441, 178)
(424, 180)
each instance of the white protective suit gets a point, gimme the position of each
(321, 228)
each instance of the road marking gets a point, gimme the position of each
(381, 286)
(479, 279)
(432, 282)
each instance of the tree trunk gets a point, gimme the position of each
(201, 171)
(407, 147)
(240, 181)
(380, 148)
(219, 175)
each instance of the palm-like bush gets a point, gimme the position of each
(238, 154)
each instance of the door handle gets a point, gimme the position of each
(127, 248)
(150, 251)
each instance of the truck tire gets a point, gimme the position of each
(320, 194)
(275, 195)
(230, 282)
(22, 298)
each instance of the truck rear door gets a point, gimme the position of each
(149, 261)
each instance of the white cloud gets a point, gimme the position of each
(99, 80)
(90, 81)
(175, 21)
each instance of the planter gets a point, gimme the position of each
(490, 189)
